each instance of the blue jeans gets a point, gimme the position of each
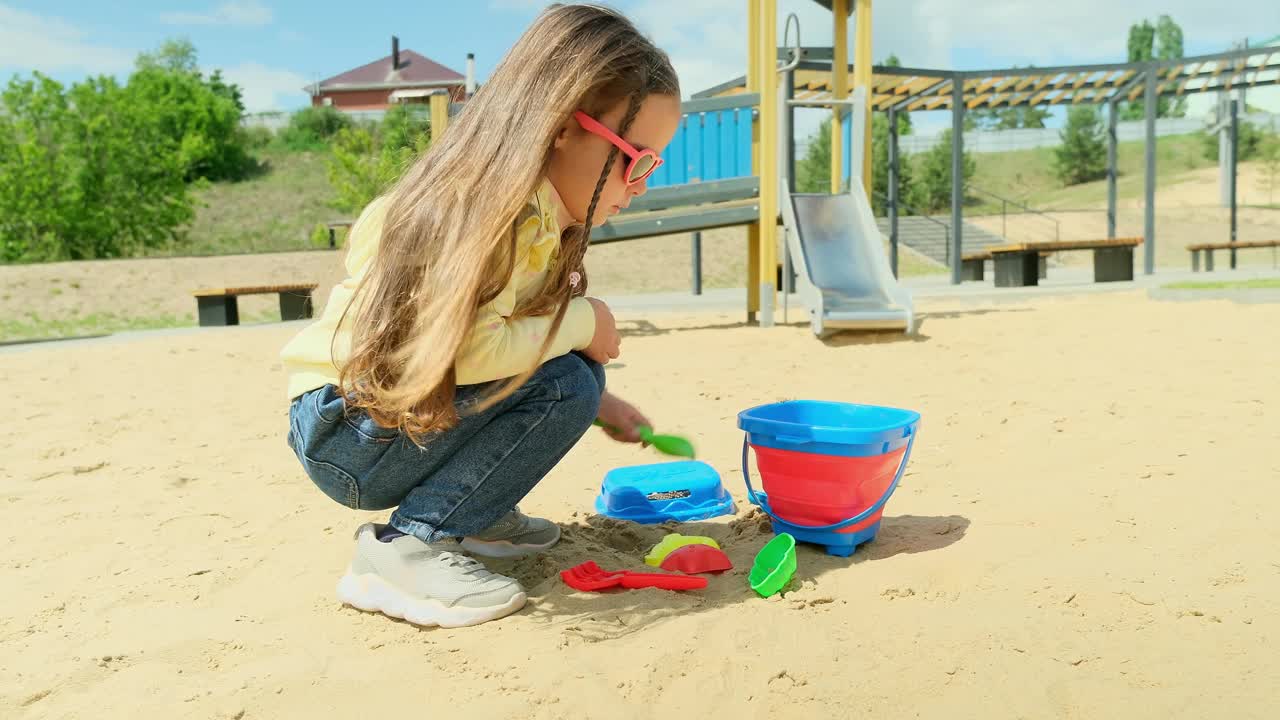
(461, 481)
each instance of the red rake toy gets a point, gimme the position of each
(590, 577)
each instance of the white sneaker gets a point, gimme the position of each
(425, 584)
(515, 535)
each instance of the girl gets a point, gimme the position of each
(461, 358)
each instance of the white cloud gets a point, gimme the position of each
(48, 44)
(1083, 31)
(235, 12)
(707, 39)
(265, 88)
(31, 42)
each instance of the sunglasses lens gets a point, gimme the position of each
(641, 168)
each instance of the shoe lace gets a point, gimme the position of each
(462, 562)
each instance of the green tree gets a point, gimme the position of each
(406, 129)
(904, 118)
(1141, 41)
(880, 166)
(202, 115)
(1249, 139)
(933, 189)
(1168, 39)
(129, 185)
(88, 173)
(1010, 118)
(173, 55)
(1023, 117)
(312, 128)
(1169, 47)
(813, 171)
(1141, 45)
(366, 161)
(880, 157)
(1162, 41)
(34, 170)
(1082, 156)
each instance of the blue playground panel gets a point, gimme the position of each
(717, 146)
(846, 132)
(707, 146)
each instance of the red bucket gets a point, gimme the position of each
(827, 468)
(808, 489)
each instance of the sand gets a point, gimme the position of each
(1087, 529)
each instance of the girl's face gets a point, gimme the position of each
(578, 156)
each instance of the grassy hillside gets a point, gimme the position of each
(1027, 175)
(277, 210)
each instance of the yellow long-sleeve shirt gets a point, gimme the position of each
(498, 347)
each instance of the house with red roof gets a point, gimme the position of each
(404, 76)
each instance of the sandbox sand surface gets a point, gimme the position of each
(1088, 528)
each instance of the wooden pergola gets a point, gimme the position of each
(812, 81)
(912, 89)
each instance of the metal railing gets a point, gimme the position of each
(916, 213)
(1005, 203)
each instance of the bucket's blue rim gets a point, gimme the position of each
(792, 433)
(759, 499)
(783, 442)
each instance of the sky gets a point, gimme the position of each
(274, 48)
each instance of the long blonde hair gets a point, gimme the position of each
(448, 239)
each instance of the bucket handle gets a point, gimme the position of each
(759, 499)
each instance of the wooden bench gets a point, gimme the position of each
(217, 306)
(973, 265)
(1208, 249)
(1018, 265)
(333, 230)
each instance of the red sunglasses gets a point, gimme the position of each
(643, 162)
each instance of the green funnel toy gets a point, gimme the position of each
(774, 565)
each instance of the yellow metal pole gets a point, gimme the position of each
(862, 79)
(753, 230)
(439, 114)
(753, 45)
(839, 87)
(768, 160)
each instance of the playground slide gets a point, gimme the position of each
(842, 273)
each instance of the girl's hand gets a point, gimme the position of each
(621, 419)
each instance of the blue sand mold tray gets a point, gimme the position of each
(683, 491)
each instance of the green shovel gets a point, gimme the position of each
(667, 444)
